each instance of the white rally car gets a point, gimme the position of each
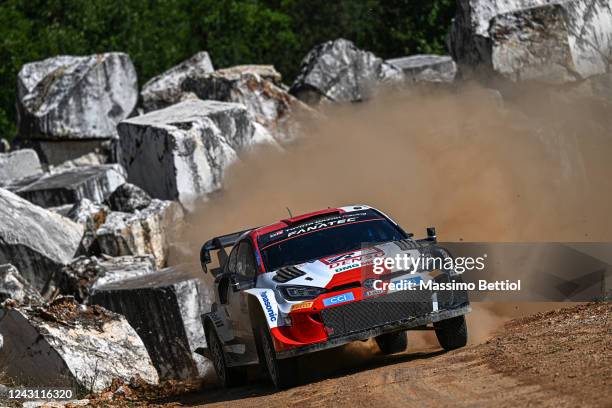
(308, 283)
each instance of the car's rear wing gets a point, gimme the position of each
(219, 244)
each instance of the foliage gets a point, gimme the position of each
(160, 33)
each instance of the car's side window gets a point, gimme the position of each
(231, 263)
(246, 260)
(231, 268)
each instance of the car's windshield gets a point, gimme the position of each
(324, 237)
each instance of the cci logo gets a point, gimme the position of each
(336, 300)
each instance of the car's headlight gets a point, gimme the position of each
(300, 292)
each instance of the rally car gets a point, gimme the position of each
(307, 283)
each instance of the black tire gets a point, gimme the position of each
(227, 376)
(392, 343)
(451, 333)
(282, 372)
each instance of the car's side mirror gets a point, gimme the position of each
(431, 234)
(240, 282)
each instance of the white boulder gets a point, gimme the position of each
(70, 97)
(64, 344)
(144, 232)
(165, 89)
(181, 152)
(338, 71)
(36, 241)
(18, 164)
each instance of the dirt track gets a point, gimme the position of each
(552, 359)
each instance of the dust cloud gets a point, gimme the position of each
(453, 160)
(535, 167)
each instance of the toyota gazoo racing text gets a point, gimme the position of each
(307, 283)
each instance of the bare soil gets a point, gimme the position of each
(560, 358)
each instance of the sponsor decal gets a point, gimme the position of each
(316, 225)
(276, 233)
(320, 225)
(347, 267)
(268, 306)
(300, 306)
(373, 293)
(338, 299)
(364, 257)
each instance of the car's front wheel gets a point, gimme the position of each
(392, 343)
(228, 376)
(451, 333)
(282, 372)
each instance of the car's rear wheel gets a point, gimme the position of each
(228, 376)
(451, 333)
(392, 343)
(282, 372)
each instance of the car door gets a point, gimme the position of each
(242, 274)
(223, 320)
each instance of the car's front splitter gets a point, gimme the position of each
(376, 331)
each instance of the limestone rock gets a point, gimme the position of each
(85, 274)
(426, 68)
(165, 309)
(257, 88)
(36, 241)
(165, 89)
(63, 210)
(70, 185)
(144, 232)
(14, 286)
(91, 216)
(549, 41)
(70, 153)
(68, 97)
(94, 158)
(64, 344)
(338, 71)
(128, 198)
(18, 164)
(181, 152)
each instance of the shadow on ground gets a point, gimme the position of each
(327, 364)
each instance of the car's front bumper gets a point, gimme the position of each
(365, 334)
